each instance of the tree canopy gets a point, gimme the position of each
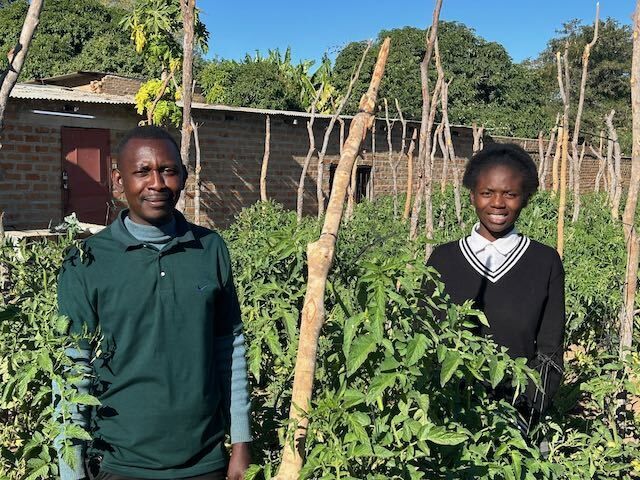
(72, 35)
(608, 84)
(487, 87)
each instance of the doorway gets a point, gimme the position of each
(85, 173)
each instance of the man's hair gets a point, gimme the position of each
(509, 155)
(147, 132)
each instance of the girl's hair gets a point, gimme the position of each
(507, 154)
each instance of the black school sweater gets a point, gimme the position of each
(523, 302)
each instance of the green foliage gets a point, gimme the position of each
(166, 112)
(256, 84)
(268, 82)
(608, 85)
(404, 389)
(487, 86)
(71, 36)
(32, 356)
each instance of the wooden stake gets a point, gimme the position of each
(576, 126)
(564, 93)
(425, 124)
(188, 21)
(197, 187)
(628, 217)
(392, 163)
(616, 184)
(351, 199)
(307, 160)
(265, 160)
(327, 134)
(407, 202)
(320, 256)
(478, 133)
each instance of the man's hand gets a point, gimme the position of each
(239, 462)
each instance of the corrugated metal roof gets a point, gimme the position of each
(65, 94)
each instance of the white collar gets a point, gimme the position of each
(513, 243)
(503, 245)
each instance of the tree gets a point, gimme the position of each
(488, 89)
(156, 27)
(72, 36)
(608, 84)
(249, 84)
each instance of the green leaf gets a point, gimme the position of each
(85, 399)
(76, 431)
(416, 349)
(360, 350)
(496, 371)
(349, 332)
(379, 384)
(44, 362)
(441, 436)
(452, 361)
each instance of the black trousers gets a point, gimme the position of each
(217, 475)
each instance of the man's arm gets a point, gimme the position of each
(232, 369)
(75, 304)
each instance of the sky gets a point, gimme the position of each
(312, 28)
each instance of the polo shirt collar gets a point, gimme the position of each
(503, 245)
(122, 235)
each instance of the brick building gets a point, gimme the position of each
(61, 133)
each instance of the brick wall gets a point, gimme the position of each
(232, 147)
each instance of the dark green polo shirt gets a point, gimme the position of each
(157, 375)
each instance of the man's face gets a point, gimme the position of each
(151, 176)
(498, 198)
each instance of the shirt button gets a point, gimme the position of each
(162, 274)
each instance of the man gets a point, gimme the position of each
(169, 370)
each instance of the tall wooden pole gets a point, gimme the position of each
(265, 160)
(325, 141)
(425, 127)
(187, 8)
(628, 218)
(320, 256)
(576, 126)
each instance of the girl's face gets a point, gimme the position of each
(498, 198)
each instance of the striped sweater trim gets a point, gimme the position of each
(498, 273)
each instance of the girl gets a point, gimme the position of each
(517, 282)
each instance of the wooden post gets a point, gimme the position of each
(407, 202)
(265, 160)
(576, 126)
(401, 154)
(616, 163)
(628, 217)
(307, 160)
(325, 142)
(351, 192)
(563, 190)
(392, 163)
(320, 256)
(197, 187)
(564, 93)
(451, 153)
(425, 126)
(188, 22)
(478, 133)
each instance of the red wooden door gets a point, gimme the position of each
(86, 158)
